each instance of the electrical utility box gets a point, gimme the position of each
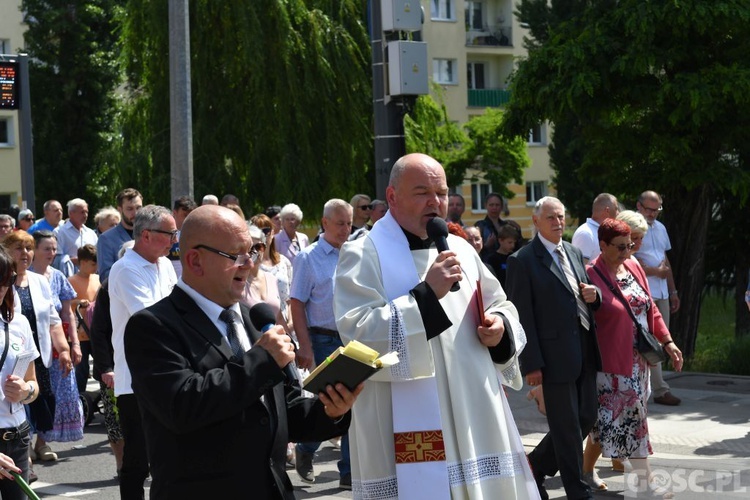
(407, 68)
(401, 15)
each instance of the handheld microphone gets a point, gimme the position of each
(437, 229)
(263, 319)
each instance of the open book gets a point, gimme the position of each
(349, 365)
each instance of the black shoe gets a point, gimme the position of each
(540, 486)
(345, 483)
(304, 466)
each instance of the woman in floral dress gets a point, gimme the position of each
(621, 429)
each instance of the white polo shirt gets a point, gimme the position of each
(134, 284)
(653, 251)
(586, 239)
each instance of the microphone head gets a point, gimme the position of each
(261, 315)
(437, 228)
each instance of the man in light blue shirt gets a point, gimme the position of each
(53, 213)
(314, 321)
(655, 263)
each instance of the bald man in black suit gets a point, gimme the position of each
(216, 413)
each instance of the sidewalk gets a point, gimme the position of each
(701, 448)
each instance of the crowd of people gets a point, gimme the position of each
(164, 301)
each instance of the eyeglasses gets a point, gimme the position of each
(172, 234)
(652, 210)
(623, 247)
(365, 207)
(28, 218)
(239, 260)
(11, 280)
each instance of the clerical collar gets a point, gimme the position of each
(415, 242)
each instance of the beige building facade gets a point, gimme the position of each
(472, 49)
(11, 40)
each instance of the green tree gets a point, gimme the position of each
(281, 100)
(73, 70)
(660, 91)
(479, 146)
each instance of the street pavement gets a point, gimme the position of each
(701, 449)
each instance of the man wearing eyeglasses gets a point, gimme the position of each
(142, 277)
(215, 414)
(312, 314)
(653, 258)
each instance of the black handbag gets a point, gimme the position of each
(647, 344)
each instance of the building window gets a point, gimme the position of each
(4, 46)
(478, 193)
(535, 191)
(475, 75)
(443, 10)
(6, 131)
(538, 135)
(474, 19)
(444, 71)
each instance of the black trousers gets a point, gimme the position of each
(134, 460)
(571, 414)
(18, 450)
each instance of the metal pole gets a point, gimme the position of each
(26, 139)
(180, 112)
(390, 143)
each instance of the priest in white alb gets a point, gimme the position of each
(436, 425)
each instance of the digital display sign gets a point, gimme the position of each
(9, 85)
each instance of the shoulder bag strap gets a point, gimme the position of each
(7, 341)
(618, 295)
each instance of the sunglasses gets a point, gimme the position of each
(623, 247)
(365, 207)
(11, 280)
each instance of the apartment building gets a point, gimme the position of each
(473, 47)
(11, 40)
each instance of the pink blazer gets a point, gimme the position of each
(614, 326)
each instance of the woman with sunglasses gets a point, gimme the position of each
(262, 286)
(621, 429)
(362, 209)
(19, 384)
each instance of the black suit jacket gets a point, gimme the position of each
(548, 312)
(208, 433)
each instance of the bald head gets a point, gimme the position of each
(604, 207)
(417, 192)
(212, 238)
(209, 224)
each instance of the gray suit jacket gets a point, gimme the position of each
(549, 313)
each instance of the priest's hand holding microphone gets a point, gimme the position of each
(445, 274)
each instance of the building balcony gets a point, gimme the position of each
(489, 36)
(488, 98)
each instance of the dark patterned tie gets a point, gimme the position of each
(233, 335)
(583, 310)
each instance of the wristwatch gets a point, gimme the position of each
(32, 391)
